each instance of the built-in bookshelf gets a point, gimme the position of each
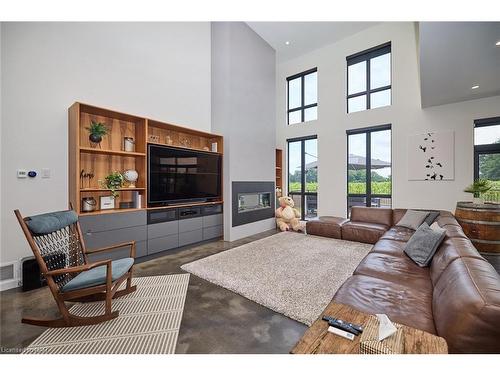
(90, 163)
(279, 169)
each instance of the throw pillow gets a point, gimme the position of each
(433, 215)
(423, 244)
(412, 219)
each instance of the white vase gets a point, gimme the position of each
(477, 200)
(131, 176)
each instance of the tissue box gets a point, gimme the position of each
(369, 343)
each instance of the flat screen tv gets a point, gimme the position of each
(177, 175)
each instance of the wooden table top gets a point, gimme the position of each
(317, 339)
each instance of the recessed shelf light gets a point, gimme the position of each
(474, 87)
(497, 43)
(287, 43)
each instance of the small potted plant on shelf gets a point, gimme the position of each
(97, 130)
(477, 188)
(113, 182)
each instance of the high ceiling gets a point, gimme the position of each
(454, 57)
(304, 37)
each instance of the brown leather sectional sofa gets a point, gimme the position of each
(457, 297)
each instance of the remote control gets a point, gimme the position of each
(340, 325)
(352, 325)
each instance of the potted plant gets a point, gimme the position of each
(96, 131)
(113, 182)
(477, 188)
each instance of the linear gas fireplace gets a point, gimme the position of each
(252, 201)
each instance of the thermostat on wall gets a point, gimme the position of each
(22, 173)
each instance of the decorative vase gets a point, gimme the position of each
(94, 138)
(131, 177)
(477, 200)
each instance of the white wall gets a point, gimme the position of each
(405, 115)
(158, 70)
(243, 111)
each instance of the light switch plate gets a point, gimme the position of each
(45, 173)
(22, 173)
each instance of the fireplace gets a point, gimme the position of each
(252, 201)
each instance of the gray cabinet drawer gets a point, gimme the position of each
(212, 220)
(156, 245)
(124, 252)
(190, 237)
(163, 229)
(188, 225)
(105, 222)
(212, 232)
(94, 240)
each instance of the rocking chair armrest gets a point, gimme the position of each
(78, 269)
(112, 247)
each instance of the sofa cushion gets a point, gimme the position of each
(423, 244)
(452, 248)
(396, 268)
(363, 231)
(397, 214)
(372, 215)
(412, 219)
(466, 306)
(398, 234)
(402, 304)
(97, 276)
(391, 247)
(326, 226)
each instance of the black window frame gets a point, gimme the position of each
(367, 55)
(302, 106)
(367, 130)
(303, 193)
(491, 148)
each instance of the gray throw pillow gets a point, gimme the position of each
(423, 244)
(433, 215)
(412, 219)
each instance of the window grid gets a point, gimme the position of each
(485, 149)
(367, 56)
(302, 106)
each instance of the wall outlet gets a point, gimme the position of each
(45, 173)
(22, 173)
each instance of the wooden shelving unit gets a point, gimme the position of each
(279, 169)
(109, 156)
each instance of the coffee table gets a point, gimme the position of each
(317, 340)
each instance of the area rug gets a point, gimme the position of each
(148, 323)
(291, 273)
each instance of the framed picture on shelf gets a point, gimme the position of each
(107, 202)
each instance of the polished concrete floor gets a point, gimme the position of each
(215, 320)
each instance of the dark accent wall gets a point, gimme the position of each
(239, 187)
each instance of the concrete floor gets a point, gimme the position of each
(215, 320)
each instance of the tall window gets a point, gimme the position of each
(487, 154)
(303, 175)
(369, 79)
(369, 167)
(303, 97)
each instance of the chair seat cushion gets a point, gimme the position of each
(97, 276)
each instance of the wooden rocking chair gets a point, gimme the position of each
(57, 243)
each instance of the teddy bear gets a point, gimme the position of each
(287, 217)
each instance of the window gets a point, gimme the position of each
(369, 180)
(303, 97)
(487, 154)
(369, 79)
(303, 175)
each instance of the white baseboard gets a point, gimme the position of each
(8, 284)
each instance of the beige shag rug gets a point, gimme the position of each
(291, 273)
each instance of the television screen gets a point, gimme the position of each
(177, 175)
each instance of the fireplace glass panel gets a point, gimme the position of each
(253, 201)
